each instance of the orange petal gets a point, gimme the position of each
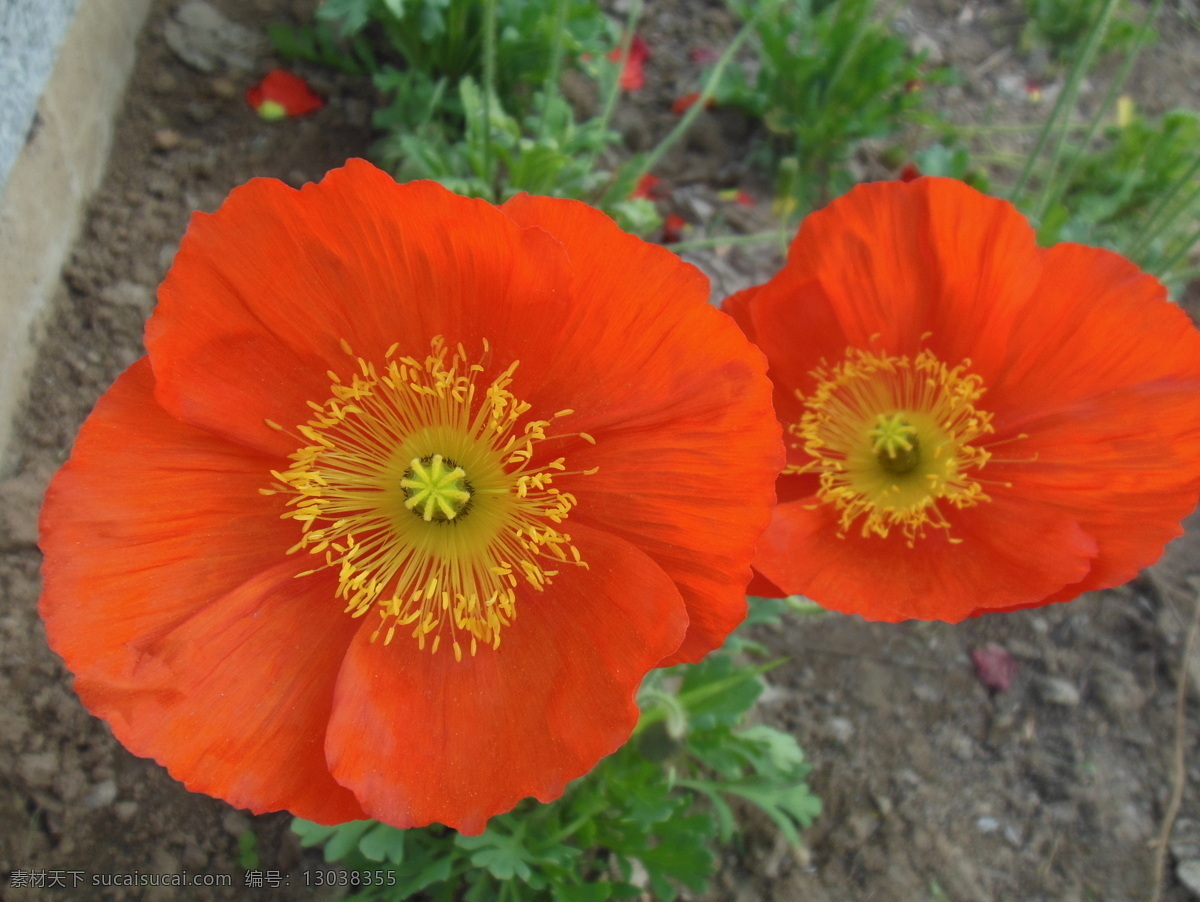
(421, 738)
(884, 579)
(1129, 457)
(1111, 412)
(147, 523)
(155, 539)
(234, 702)
(263, 292)
(671, 380)
(931, 257)
(795, 324)
(1095, 323)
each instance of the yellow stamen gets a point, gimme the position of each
(892, 438)
(430, 499)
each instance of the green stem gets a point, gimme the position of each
(614, 90)
(706, 691)
(1090, 47)
(398, 34)
(1139, 42)
(572, 827)
(1059, 105)
(860, 29)
(1154, 226)
(1180, 254)
(550, 87)
(710, 86)
(489, 85)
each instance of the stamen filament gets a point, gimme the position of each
(892, 438)
(411, 437)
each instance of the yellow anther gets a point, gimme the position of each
(409, 437)
(893, 438)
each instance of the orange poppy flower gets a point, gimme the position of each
(975, 423)
(408, 495)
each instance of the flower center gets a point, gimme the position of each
(436, 489)
(892, 440)
(380, 489)
(895, 443)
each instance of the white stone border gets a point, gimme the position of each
(48, 187)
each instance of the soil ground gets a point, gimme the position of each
(935, 788)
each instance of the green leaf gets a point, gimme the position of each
(790, 807)
(682, 855)
(425, 866)
(782, 751)
(719, 691)
(248, 857)
(599, 891)
(503, 855)
(384, 843)
(310, 834)
(766, 611)
(348, 16)
(345, 838)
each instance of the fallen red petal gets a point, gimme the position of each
(673, 226)
(281, 94)
(633, 76)
(649, 187)
(995, 666)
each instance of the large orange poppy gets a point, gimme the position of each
(408, 495)
(974, 423)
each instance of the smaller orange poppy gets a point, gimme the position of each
(976, 423)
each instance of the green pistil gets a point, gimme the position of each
(894, 443)
(272, 110)
(436, 489)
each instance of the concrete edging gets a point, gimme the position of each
(52, 179)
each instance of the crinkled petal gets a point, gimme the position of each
(1099, 406)
(252, 315)
(1096, 324)
(168, 594)
(421, 738)
(686, 445)
(925, 264)
(150, 521)
(235, 701)
(1125, 466)
(794, 323)
(1005, 556)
